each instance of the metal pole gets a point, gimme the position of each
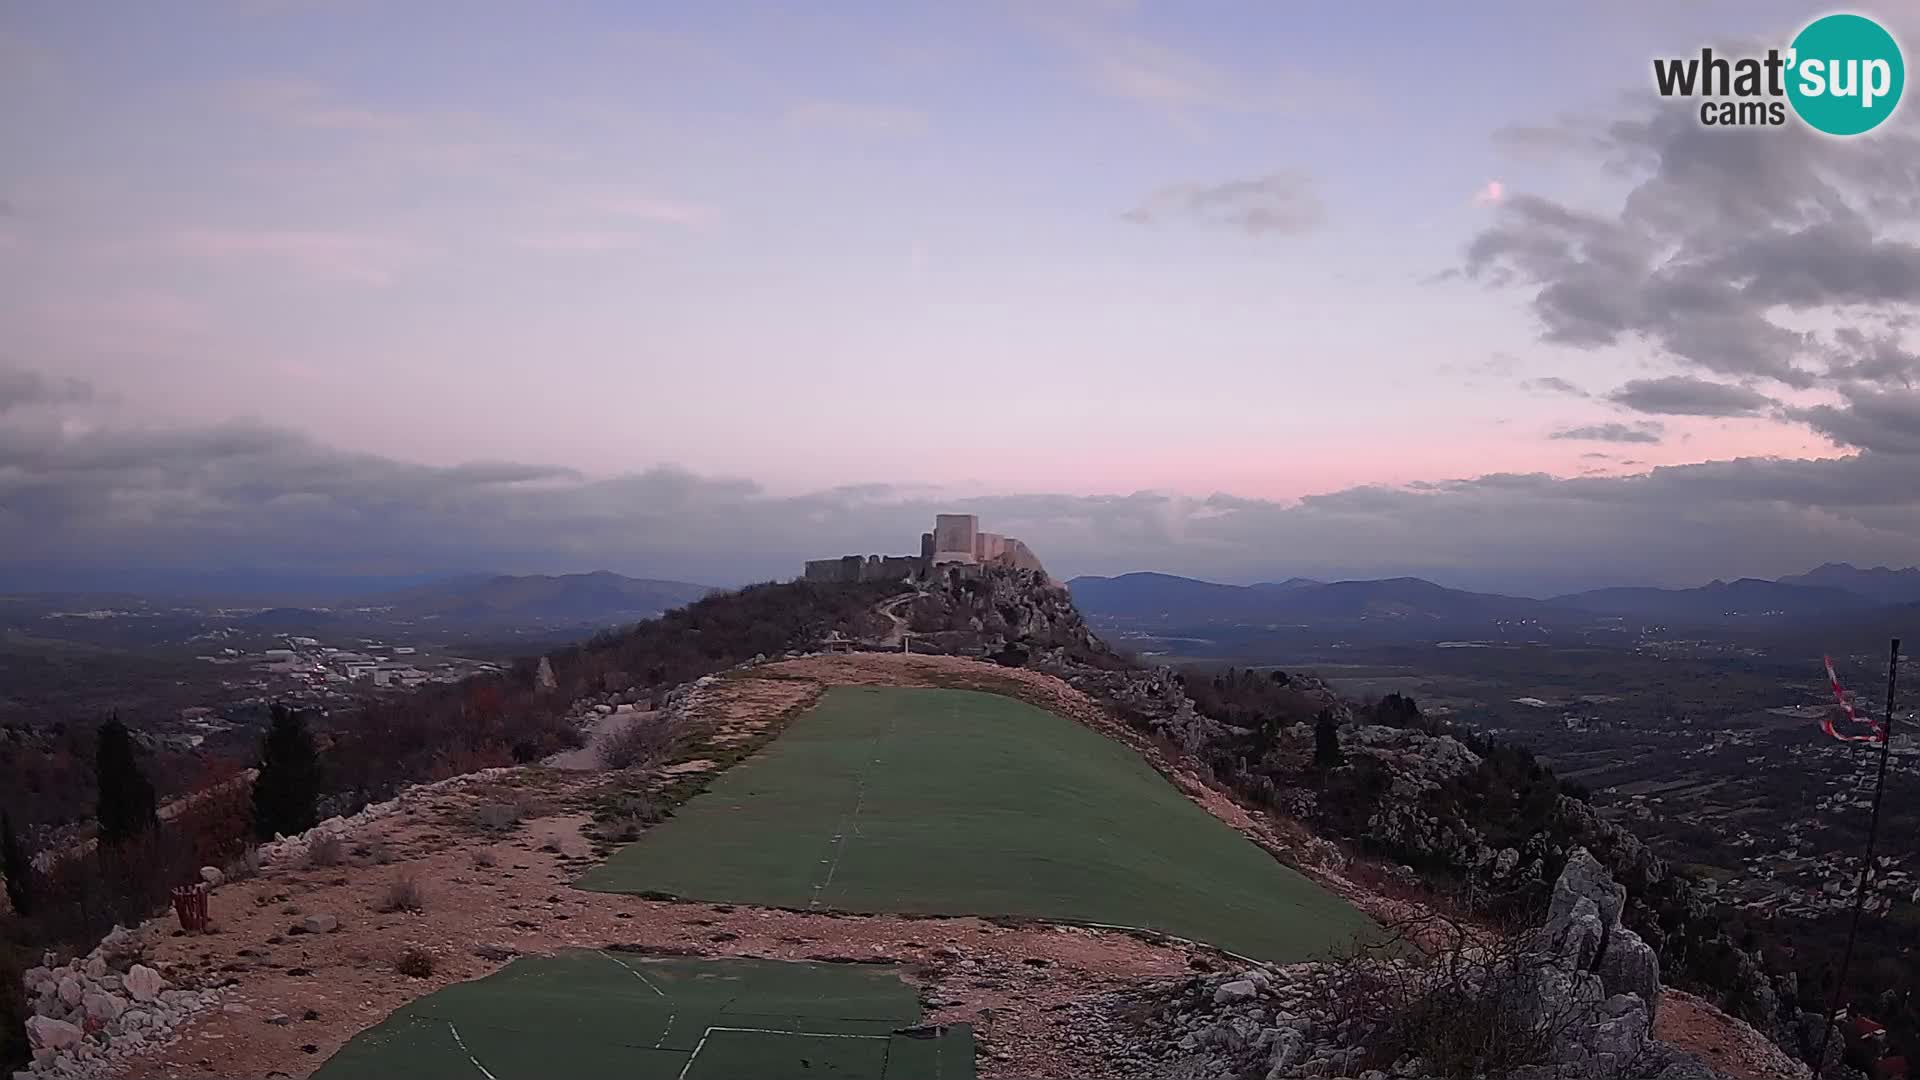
(1866, 864)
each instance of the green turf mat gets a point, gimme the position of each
(957, 802)
(617, 1016)
(738, 1055)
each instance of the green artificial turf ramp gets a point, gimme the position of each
(617, 1016)
(963, 803)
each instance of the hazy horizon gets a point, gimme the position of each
(314, 288)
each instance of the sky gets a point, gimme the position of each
(1234, 290)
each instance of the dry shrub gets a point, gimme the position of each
(414, 962)
(642, 742)
(528, 806)
(623, 829)
(326, 850)
(404, 894)
(459, 761)
(623, 817)
(243, 867)
(1464, 999)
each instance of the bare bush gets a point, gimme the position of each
(642, 742)
(414, 962)
(623, 817)
(403, 894)
(244, 866)
(624, 829)
(528, 806)
(1465, 1000)
(327, 850)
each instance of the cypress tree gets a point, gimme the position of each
(17, 867)
(126, 807)
(1326, 741)
(286, 794)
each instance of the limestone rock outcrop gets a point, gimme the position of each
(1576, 998)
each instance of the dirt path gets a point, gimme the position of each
(890, 609)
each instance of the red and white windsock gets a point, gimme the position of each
(1879, 733)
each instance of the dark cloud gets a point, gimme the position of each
(1875, 358)
(249, 497)
(1884, 421)
(1554, 384)
(1723, 247)
(20, 388)
(1619, 433)
(1278, 203)
(1680, 395)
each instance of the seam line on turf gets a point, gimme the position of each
(462, 1043)
(672, 1013)
(850, 823)
(705, 1035)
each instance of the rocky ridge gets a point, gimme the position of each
(1579, 995)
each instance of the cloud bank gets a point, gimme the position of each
(83, 496)
(1766, 264)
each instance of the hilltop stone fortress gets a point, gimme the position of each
(956, 545)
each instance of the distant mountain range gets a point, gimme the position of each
(1879, 584)
(599, 597)
(1179, 600)
(1746, 597)
(1834, 591)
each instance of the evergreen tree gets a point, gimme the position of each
(17, 867)
(1397, 710)
(126, 807)
(286, 794)
(1326, 741)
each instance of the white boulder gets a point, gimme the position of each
(144, 983)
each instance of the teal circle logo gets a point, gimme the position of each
(1846, 74)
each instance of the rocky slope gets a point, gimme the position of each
(1576, 998)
